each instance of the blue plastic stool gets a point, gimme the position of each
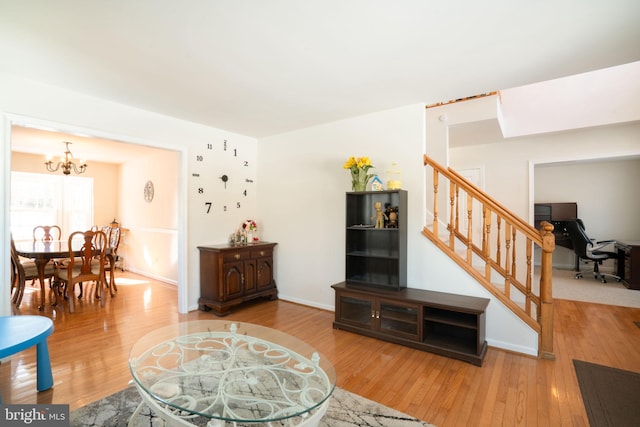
(18, 333)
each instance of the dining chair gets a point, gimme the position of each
(23, 270)
(86, 264)
(113, 241)
(46, 233)
(112, 232)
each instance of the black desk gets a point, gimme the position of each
(627, 264)
(556, 214)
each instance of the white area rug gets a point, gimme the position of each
(345, 410)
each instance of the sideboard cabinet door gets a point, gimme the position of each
(264, 272)
(232, 273)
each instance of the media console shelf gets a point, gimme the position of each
(442, 323)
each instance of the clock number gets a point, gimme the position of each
(225, 145)
(235, 152)
(200, 190)
(208, 205)
(238, 205)
(244, 193)
(224, 208)
(246, 163)
(199, 158)
(209, 146)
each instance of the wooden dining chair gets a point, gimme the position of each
(113, 240)
(86, 264)
(23, 270)
(112, 232)
(46, 233)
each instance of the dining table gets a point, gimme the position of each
(43, 252)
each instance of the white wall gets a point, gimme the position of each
(596, 98)
(26, 102)
(150, 246)
(302, 194)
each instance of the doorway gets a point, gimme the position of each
(152, 227)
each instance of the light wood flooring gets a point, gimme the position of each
(89, 351)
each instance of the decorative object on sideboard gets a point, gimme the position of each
(66, 163)
(376, 183)
(380, 216)
(246, 233)
(394, 177)
(391, 213)
(359, 167)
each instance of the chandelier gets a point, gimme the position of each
(66, 163)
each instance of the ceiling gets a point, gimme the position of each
(48, 143)
(261, 68)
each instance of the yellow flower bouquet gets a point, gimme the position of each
(359, 166)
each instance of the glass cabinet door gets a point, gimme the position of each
(355, 310)
(399, 319)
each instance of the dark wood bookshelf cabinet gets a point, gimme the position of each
(446, 324)
(374, 299)
(376, 257)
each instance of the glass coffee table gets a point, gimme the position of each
(214, 372)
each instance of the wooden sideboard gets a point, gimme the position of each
(231, 275)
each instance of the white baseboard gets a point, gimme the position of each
(153, 276)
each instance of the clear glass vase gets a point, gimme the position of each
(359, 180)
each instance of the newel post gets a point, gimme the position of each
(546, 294)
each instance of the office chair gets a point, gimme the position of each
(589, 250)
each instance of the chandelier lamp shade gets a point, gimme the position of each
(66, 163)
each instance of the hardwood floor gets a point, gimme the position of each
(89, 351)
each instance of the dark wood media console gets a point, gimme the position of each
(442, 323)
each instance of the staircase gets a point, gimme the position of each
(496, 248)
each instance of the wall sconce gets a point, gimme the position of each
(66, 163)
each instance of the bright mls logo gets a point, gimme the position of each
(34, 415)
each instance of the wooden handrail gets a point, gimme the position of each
(499, 253)
(485, 199)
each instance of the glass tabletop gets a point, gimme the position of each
(231, 371)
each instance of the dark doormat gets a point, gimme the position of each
(611, 396)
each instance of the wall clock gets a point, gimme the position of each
(148, 191)
(222, 177)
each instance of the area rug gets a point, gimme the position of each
(611, 396)
(345, 410)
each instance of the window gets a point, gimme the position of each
(41, 199)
